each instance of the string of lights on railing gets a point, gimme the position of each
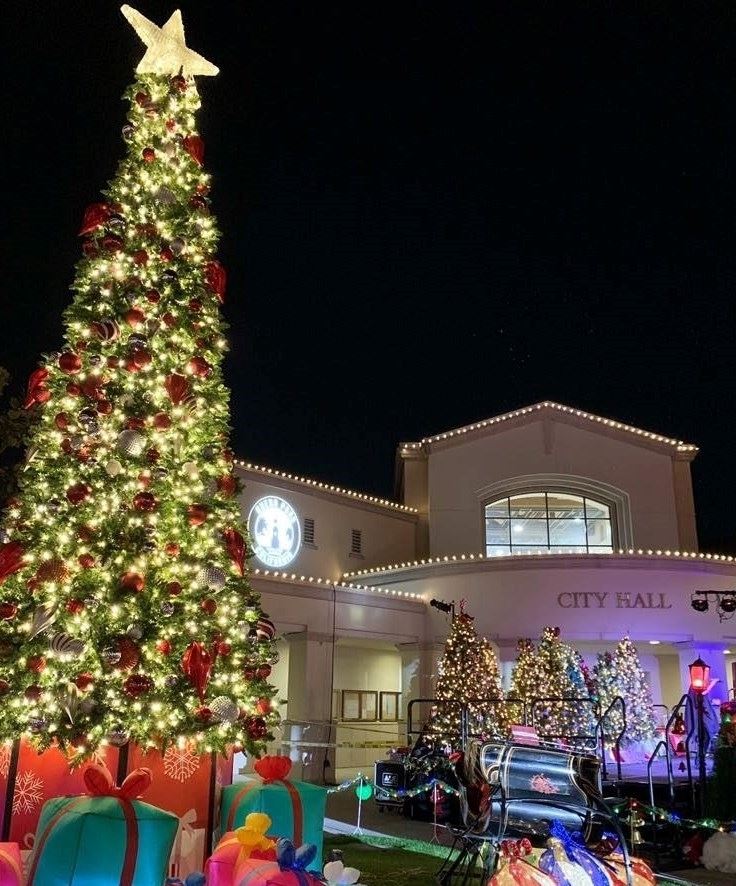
(367, 788)
(461, 558)
(326, 487)
(678, 445)
(663, 815)
(307, 580)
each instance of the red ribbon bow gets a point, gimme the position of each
(235, 547)
(516, 848)
(273, 768)
(11, 559)
(99, 782)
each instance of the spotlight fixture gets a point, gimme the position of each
(724, 600)
(442, 605)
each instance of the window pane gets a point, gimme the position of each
(498, 508)
(567, 532)
(497, 532)
(564, 506)
(599, 532)
(594, 509)
(497, 550)
(529, 532)
(531, 504)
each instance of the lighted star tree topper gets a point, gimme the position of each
(125, 608)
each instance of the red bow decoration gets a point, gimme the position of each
(235, 546)
(194, 146)
(99, 782)
(196, 663)
(274, 767)
(37, 392)
(11, 559)
(177, 387)
(95, 215)
(516, 848)
(215, 276)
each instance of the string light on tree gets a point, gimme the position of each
(123, 579)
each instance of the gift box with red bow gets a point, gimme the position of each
(106, 837)
(289, 867)
(296, 808)
(236, 847)
(11, 871)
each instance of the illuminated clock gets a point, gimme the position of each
(274, 531)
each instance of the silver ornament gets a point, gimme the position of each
(137, 340)
(177, 245)
(87, 705)
(69, 702)
(171, 682)
(224, 709)
(77, 441)
(37, 724)
(91, 602)
(113, 467)
(117, 737)
(53, 505)
(65, 644)
(135, 632)
(111, 655)
(95, 360)
(159, 472)
(4, 537)
(165, 196)
(128, 132)
(43, 617)
(131, 442)
(167, 608)
(211, 577)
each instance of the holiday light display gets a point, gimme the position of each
(620, 674)
(468, 670)
(125, 608)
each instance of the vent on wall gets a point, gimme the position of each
(309, 530)
(356, 542)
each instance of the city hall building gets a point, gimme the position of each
(547, 515)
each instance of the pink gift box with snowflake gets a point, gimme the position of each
(38, 778)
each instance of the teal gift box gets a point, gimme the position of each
(296, 808)
(106, 838)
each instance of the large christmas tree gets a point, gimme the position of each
(621, 674)
(549, 672)
(468, 670)
(125, 607)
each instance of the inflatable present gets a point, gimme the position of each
(106, 837)
(514, 870)
(11, 870)
(566, 848)
(296, 808)
(236, 847)
(291, 868)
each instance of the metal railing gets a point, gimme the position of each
(664, 743)
(617, 702)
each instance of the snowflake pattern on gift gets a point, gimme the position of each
(28, 793)
(180, 764)
(4, 760)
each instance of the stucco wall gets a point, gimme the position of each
(459, 473)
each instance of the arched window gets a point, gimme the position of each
(541, 522)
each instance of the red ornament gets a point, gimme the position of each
(37, 392)
(224, 648)
(36, 663)
(256, 728)
(249, 672)
(95, 215)
(228, 455)
(90, 387)
(172, 549)
(203, 713)
(196, 664)
(89, 249)
(144, 478)
(141, 358)
(179, 83)
(4, 687)
(198, 202)
(202, 188)
(33, 693)
(263, 672)
(168, 319)
(197, 514)
(195, 305)
(135, 317)
(148, 154)
(161, 421)
(153, 296)
(132, 581)
(112, 243)
(77, 493)
(70, 362)
(173, 588)
(166, 254)
(130, 654)
(137, 684)
(104, 407)
(143, 99)
(145, 501)
(200, 367)
(164, 647)
(61, 420)
(140, 257)
(265, 628)
(209, 606)
(263, 705)
(235, 546)
(74, 606)
(86, 561)
(11, 559)
(215, 276)
(135, 423)
(73, 389)
(152, 455)
(8, 611)
(84, 681)
(104, 330)
(177, 387)
(194, 146)
(85, 533)
(227, 484)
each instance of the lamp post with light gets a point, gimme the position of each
(699, 679)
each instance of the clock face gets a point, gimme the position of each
(274, 531)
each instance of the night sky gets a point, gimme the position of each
(432, 212)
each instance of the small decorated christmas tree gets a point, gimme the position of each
(621, 674)
(468, 670)
(125, 607)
